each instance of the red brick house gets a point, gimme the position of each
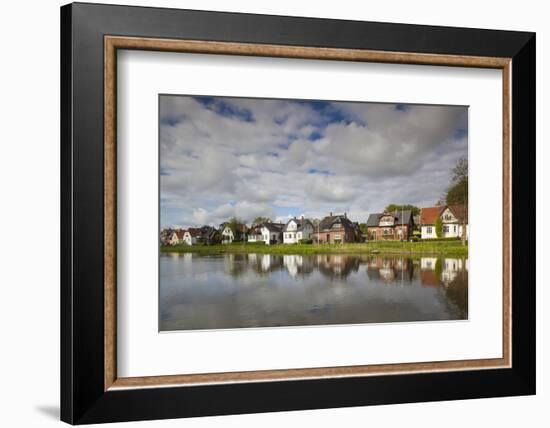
(390, 226)
(336, 229)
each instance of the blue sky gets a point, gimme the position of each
(221, 157)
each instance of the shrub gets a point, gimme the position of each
(306, 241)
(439, 227)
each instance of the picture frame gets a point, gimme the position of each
(91, 35)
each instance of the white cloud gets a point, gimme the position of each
(365, 156)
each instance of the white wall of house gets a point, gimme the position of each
(188, 239)
(451, 227)
(255, 238)
(289, 234)
(427, 232)
(227, 235)
(292, 236)
(269, 235)
(174, 240)
(451, 230)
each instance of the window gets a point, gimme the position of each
(429, 230)
(446, 229)
(454, 228)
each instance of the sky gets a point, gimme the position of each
(247, 157)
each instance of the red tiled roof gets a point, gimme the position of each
(179, 233)
(429, 215)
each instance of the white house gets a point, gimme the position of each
(228, 236)
(453, 218)
(191, 236)
(272, 233)
(268, 233)
(255, 234)
(176, 237)
(297, 230)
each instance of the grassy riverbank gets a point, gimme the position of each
(443, 248)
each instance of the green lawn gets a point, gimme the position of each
(454, 248)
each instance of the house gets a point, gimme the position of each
(336, 229)
(268, 233)
(393, 226)
(255, 233)
(227, 233)
(428, 218)
(176, 237)
(453, 219)
(296, 230)
(209, 235)
(165, 235)
(272, 233)
(192, 235)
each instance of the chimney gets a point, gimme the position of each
(345, 215)
(302, 217)
(331, 213)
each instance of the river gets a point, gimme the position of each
(263, 290)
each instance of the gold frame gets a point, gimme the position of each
(113, 43)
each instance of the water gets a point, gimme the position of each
(264, 290)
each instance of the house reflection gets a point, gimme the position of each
(442, 271)
(390, 269)
(337, 265)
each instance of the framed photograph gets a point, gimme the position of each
(265, 213)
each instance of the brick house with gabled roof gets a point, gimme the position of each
(390, 226)
(336, 229)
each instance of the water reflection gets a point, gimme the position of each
(264, 290)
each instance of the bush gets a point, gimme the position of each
(415, 239)
(306, 241)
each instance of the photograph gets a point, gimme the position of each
(291, 212)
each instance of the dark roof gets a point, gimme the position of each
(300, 223)
(460, 211)
(274, 227)
(208, 232)
(328, 221)
(195, 231)
(240, 227)
(400, 217)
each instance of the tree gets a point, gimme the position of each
(260, 220)
(235, 224)
(396, 207)
(457, 193)
(439, 227)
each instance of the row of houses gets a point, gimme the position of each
(332, 229)
(399, 225)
